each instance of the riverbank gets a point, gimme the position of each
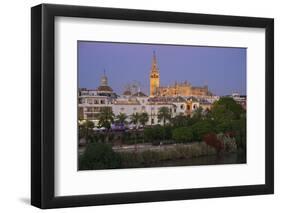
(148, 155)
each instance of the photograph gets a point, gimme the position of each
(140, 105)
(160, 105)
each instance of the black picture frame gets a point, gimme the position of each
(43, 102)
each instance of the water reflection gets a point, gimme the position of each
(228, 158)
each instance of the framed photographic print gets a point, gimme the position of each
(139, 106)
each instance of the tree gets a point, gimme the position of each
(201, 128)
(154, 134)
(85, 128)
(106, 118)
(226, 108)
(197, 114)
(99, 156)
(239, 127)
(182, 134)
(121, 118)
(180, 121)
(135, 118)
(143, 118)
(164, 115)
(212, 140)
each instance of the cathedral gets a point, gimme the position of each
(177, 89)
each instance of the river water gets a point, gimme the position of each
(227, 158)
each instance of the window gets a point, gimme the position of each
(152, 120)
(102, 102)
(182, 106)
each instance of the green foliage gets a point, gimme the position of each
(106, 117)
(157, 133)
(121, 118)
(182, 134)
(224, 125)
(201, 128)
(197, 113)
(99, 156)
(226, 108)
(85, 129)
(153, 133)
(164, 115)
(240, 130)
(180, 121)
(143, 118)
(135, 118)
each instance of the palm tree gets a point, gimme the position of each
(85, 127)
(143, 118)
(106, 118)
(121, 118)
(135, 119)
(164, 115)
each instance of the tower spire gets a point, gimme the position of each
(154, 56)
(154, 76)
(154, 63)
(104, 79)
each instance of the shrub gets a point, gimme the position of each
(212, 140)
(99, 156)
(153, 133)
(182, 134)
(200, 129)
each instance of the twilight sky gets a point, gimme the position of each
(222, 69)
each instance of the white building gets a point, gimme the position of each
(91, 102)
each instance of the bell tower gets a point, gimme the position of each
(154, 76)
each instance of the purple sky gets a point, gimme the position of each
(222, 69)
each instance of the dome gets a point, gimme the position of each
(103, 81)
(105, 88)
(127, 93)
(104, 84)
(139, 94)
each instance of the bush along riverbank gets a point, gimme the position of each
(102, 156)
